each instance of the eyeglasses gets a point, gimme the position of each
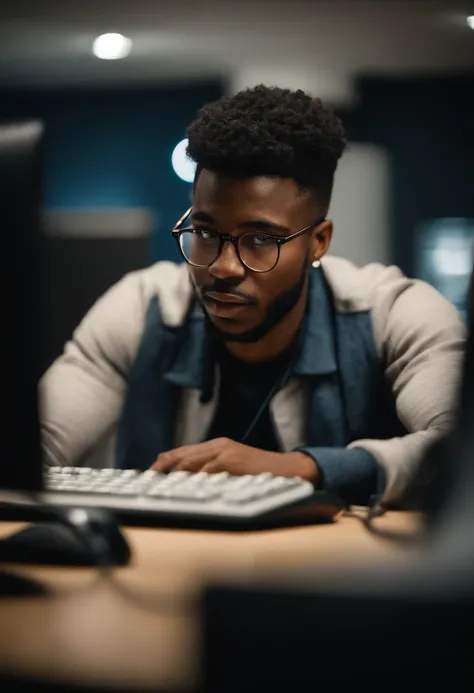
(257, 251)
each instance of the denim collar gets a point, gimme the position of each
(317, 354)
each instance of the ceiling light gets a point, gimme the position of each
(183, 166)
(470, 21)
(111, 46)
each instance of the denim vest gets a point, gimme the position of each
(347, 397)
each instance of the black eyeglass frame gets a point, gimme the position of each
(227, 238)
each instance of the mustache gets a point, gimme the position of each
(222, 286)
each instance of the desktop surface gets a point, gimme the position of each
(89, 632)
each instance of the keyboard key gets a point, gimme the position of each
(104, 489)
(262, 478)
(192, 495)
(242, 481)
(175, 477)
(207, 494)
(107, 473)
(68, 486)
(155, 493)
(241, 496)
(218, 479)
(150, 475)
(197, 478)
(126, 491)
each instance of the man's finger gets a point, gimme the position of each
(172, 458)
(179, 453)
(161, 465)
(194, 463)
(214, 467)
(167, 460)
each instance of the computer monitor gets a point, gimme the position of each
(21, 318)
(466, 404)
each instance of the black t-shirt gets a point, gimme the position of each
(244, 388)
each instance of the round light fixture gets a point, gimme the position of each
(112, 46)
(470, 21)
(183, 166)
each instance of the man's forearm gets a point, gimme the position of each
(351, 474)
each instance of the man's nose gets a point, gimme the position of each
(228, 265)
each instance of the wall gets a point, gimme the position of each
(360, 206)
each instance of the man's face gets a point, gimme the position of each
(245, 305)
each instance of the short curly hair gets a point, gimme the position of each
(270, 131)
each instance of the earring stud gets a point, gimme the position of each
(317, 263)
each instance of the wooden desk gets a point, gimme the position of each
(88, 633)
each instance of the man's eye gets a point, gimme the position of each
(262, 240)
(205, 234)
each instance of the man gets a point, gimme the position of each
(256, 354)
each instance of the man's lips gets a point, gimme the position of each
(226, 306)
(226, 298)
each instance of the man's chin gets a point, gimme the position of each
(230, 330)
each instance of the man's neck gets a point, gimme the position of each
(275, 342)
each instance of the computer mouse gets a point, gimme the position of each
(79, 537)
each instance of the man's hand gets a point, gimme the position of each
(224, 455)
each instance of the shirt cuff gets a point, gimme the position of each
(351, 474)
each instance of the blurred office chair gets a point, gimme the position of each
(86, 252)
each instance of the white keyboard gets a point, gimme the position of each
(178, 494)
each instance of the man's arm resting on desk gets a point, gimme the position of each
(350, 474)
(420, 339)
(225, 455)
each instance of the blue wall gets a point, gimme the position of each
(113, 148)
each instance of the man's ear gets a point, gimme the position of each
(321, 239)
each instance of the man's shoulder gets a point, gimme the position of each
(158, 276)
(399, 305)
(168, 282)
(114, 325)
(356, 288)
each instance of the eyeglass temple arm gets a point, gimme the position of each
(178, 223)
(302, 231)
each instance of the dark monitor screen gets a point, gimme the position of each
(21, 283)
(466, 412)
